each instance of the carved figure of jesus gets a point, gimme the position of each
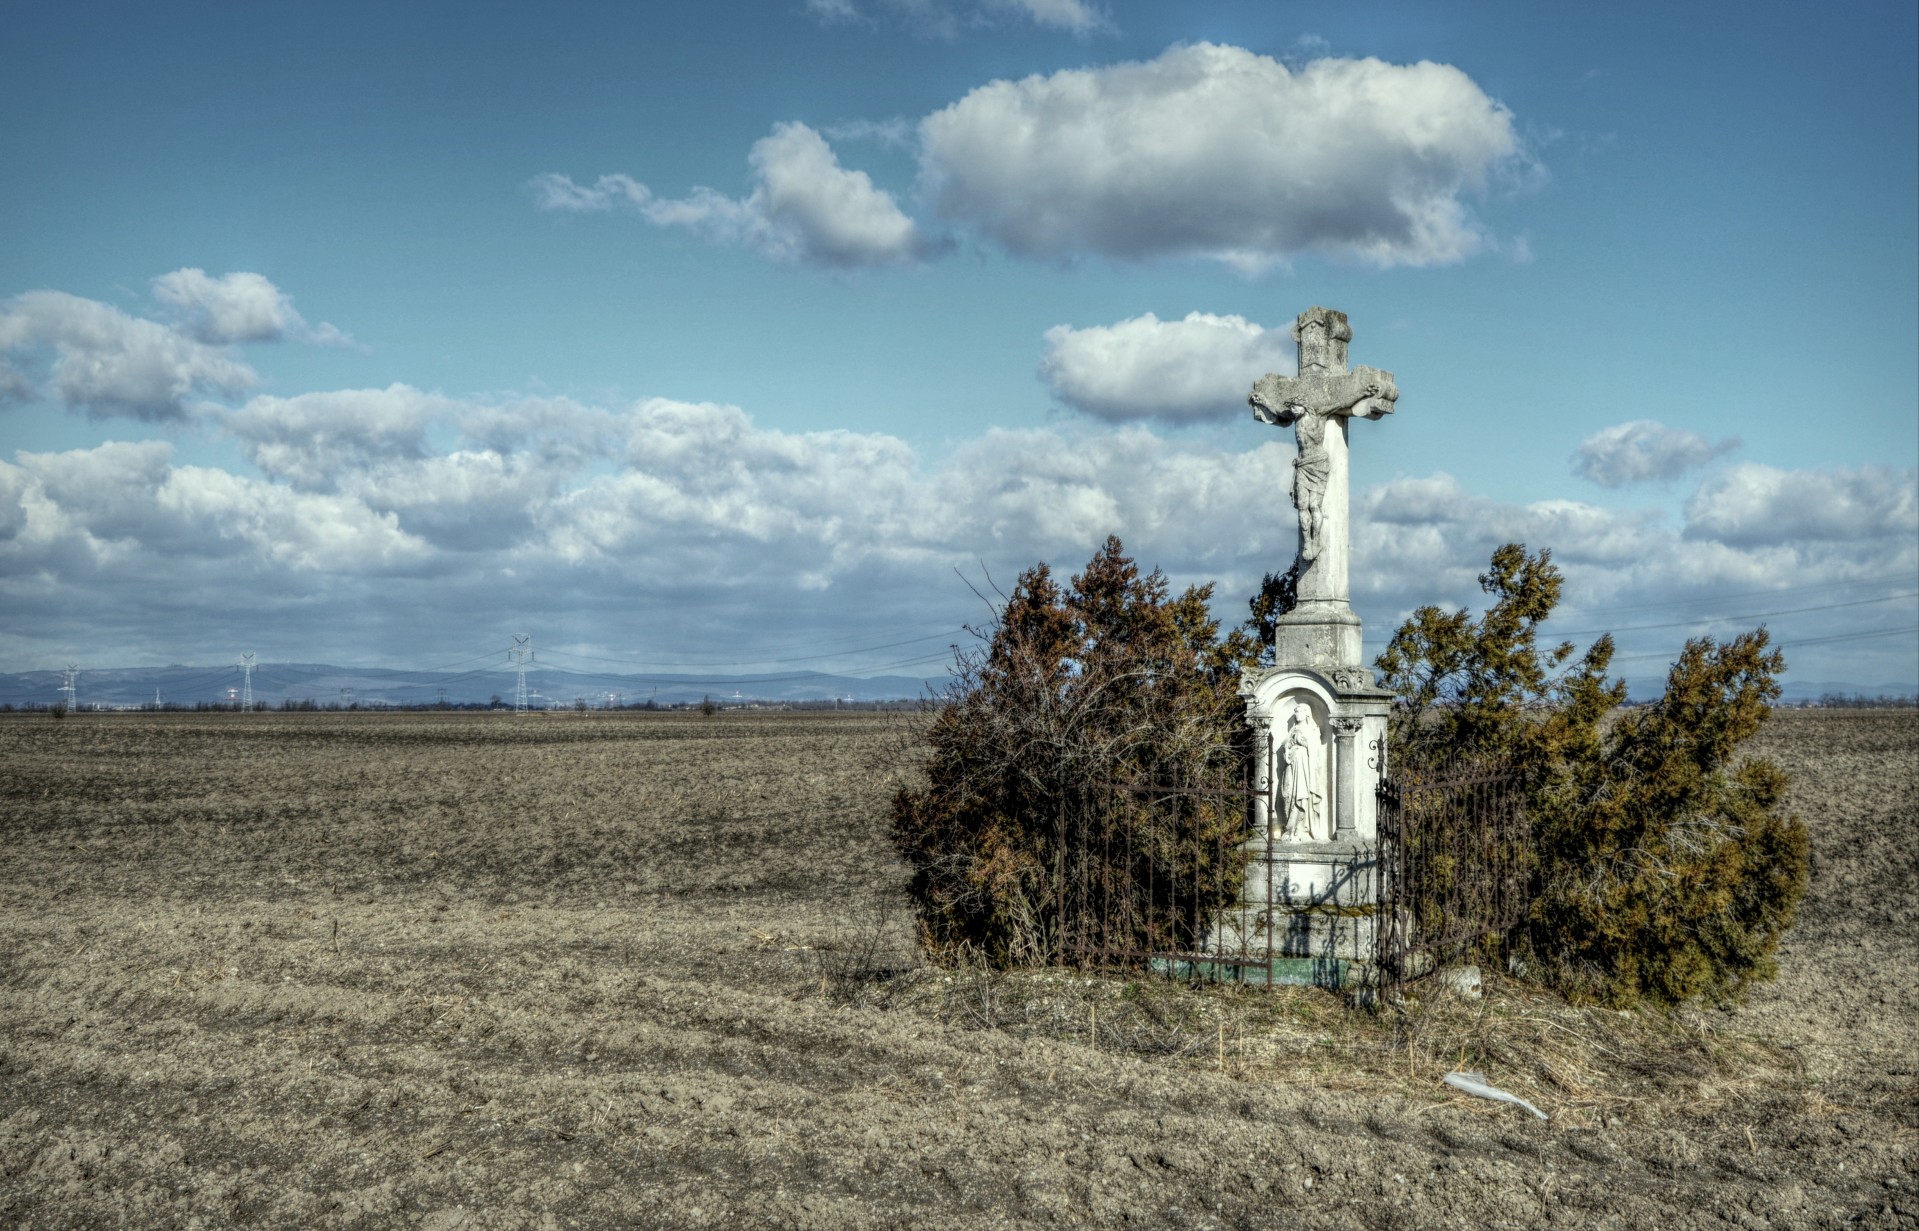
(1317, 404)
(1311, 469)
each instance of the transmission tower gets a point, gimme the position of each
(70, 685)
(246, 694)
(519, 656)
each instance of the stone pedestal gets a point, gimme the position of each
(1309, 908)
(1321, 635)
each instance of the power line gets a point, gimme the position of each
(1801, 643)
(1773, 593)
(196, 682)
(1859, 636)
(1756, 615)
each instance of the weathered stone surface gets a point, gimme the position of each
(1316, 874)
(1349, 935)
(1318, 715)
(1347, 741)
(1322, 631)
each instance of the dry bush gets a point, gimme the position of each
(1108, 679)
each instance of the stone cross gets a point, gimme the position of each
(1321, 630)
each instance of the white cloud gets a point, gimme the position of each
(1751, 505)
(424, 525)
(1207, 151)
(896, 133)
(556, 429)
(1420, 540)
(97, 497)
(821, 212)
(469, 501)
(1074, 16)
(558, 192)
(109, 363)
(1307, 48)
(804, 207)
(310, 440)
(944, 18)
(1197, 368)
(125, 507)
(92, 356)
(299, 531)
(1214, 151)
(1643, 450)
(237, 307)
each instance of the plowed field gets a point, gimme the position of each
(606, 971)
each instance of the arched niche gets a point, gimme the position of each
(1295, 766)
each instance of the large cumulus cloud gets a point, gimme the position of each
(1644, 451)
(92, 356)
(1216, 151)
(236, 307)
(1206, 151)
(1751, 505)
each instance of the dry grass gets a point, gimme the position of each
(370, 970)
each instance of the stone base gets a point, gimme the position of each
(1304, 875)
(1308, 914)
(1349, 933)
(1336, 973)
(1308, 910)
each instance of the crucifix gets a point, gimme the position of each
(1310, 907)
(1321, 629)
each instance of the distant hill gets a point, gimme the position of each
(276, 684)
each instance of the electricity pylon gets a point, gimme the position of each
(519, 655)
(246, 693)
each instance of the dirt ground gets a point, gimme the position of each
(478, 971)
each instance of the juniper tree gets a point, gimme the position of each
(1664, 865)
(1110, 678)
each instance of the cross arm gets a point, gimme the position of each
(1365, 392)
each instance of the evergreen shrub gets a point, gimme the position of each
(1664, 866)
(1110, 678)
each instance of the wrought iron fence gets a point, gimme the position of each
(1153, 874)
(1455, 865)
(1173, 876)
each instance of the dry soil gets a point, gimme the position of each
(605, 971)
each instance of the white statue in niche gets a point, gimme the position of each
(1302, 812)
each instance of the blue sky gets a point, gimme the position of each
(736, 333)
